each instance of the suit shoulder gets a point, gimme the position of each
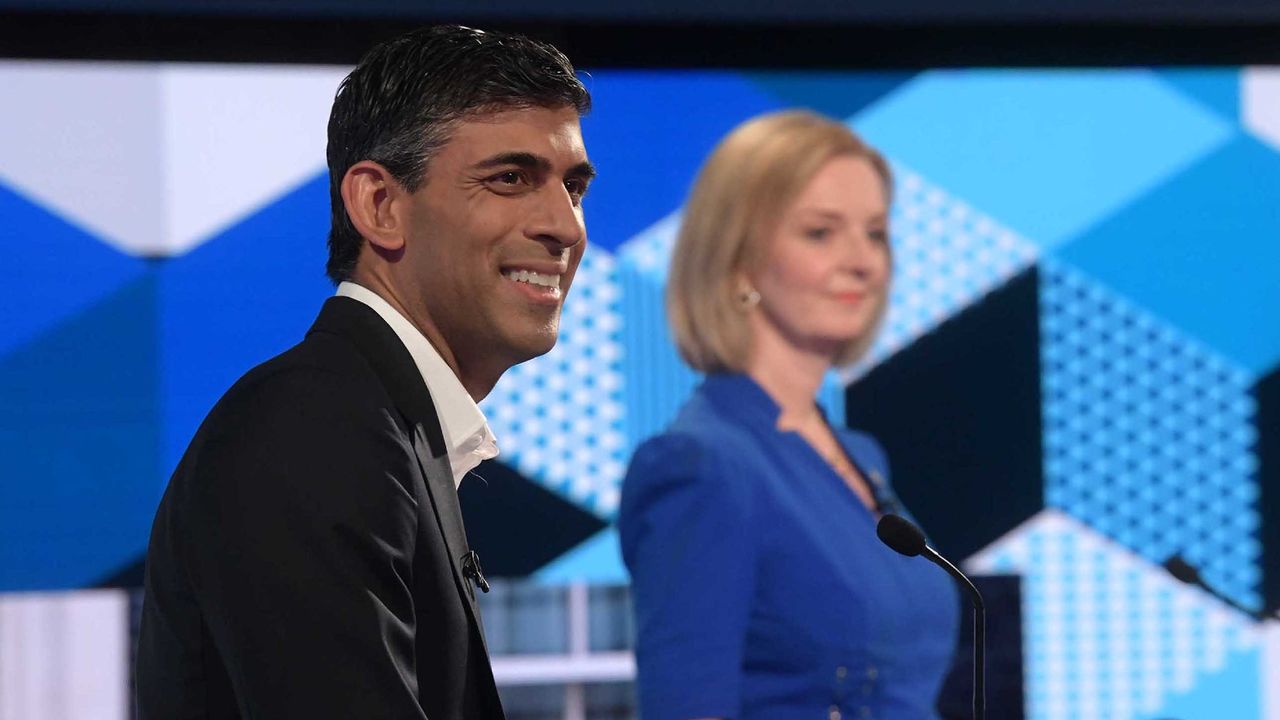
(315, 408)
(309, 391)
(320, 369)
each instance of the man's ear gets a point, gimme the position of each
(374, 202)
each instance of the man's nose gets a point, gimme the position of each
(557, 218)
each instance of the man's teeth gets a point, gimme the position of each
(533, 278)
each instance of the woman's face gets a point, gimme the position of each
(825, 270)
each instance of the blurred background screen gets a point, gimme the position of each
(1079, 374)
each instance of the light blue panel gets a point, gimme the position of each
(1148, 435)
(831, 398)
(598, 559)
(649, 252)
(1232, 692)
(657, 380)
(1048, 153)
(1202, 252)
(243, 296)
(57, 269)
(79, 434)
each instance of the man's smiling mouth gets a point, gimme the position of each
(546, 284)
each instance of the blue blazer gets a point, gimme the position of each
(760, 588)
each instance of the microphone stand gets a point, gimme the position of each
(979, 631)
(902, 536)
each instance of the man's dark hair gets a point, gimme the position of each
(402, 102)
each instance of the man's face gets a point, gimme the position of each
(495, 234)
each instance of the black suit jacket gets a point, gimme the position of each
(307, 558)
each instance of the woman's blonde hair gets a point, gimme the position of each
(741, 192)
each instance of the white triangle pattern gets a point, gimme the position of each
(89, 148)
(1260, 103)
(1105, 633)
(80, 140)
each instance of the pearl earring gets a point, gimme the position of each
(749, 298)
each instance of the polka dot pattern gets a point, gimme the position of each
(1148, 435)
(649, 253)
(559, 417)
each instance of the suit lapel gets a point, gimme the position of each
(447, 513)
(382, 348)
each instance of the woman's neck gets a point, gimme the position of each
(789, 375)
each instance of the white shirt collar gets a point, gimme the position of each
(466, 431)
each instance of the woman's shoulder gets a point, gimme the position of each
(693, 448)
(701, 451)
(710, 429)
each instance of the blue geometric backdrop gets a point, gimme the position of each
(150, 268)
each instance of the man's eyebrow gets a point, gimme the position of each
(530, 161)
(525, 160)
(584, 170)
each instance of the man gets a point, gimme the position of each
(308, 559)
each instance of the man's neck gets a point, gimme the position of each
(477, 380)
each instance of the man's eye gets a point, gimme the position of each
(511, 177)
(576, 187)
(879, 236)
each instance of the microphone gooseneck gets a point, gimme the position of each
(902, 536)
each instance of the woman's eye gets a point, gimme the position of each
(879, 236)
(817, 233)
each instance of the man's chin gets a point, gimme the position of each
(531, 345)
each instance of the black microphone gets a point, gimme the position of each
(1184, 571)
(904, 537)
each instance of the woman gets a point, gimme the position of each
(761, 590)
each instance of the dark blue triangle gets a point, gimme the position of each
(241, 297)
(1267, 395)
(963, 403)
(55, 269)
(79, 431)
(648, 133)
